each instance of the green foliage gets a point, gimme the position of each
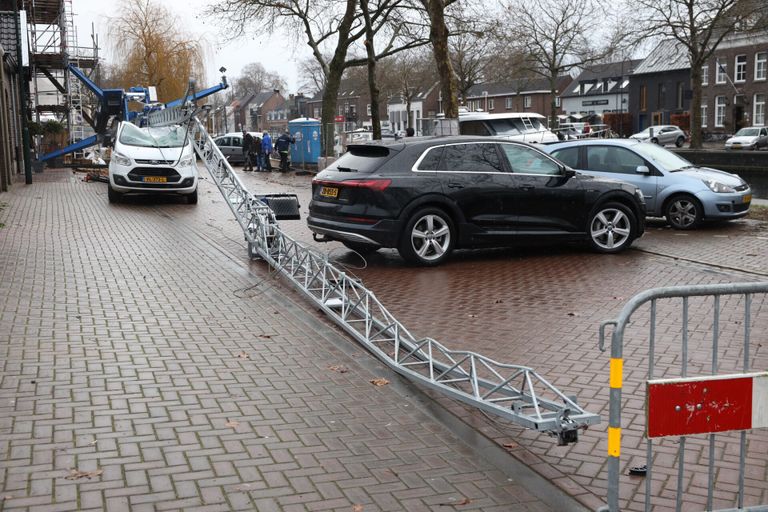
(35, 128)
(53, 126)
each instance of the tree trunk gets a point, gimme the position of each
(408, 111)
(333, 79)
(696, 135)
(438, 34)
(330, 97)
(371, 58)
(553, 100)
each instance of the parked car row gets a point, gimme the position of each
(426, 197)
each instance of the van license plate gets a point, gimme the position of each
(329, 192)
(155, 179)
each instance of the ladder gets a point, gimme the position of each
(75, 119)
(516, 393)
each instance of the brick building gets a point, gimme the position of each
(353, 105)
(520, 95)
(735, 84)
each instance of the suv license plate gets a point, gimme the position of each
(155, 179)
(329, 192)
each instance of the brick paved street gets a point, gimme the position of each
(542, 307)
(150, 303)
(148, 365)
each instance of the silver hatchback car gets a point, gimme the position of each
(673, 187)
(662, 134)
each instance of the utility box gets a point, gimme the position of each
(306, 133)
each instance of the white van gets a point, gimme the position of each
(152, 160)
(520, 126)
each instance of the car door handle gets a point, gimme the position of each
(526, 187)
(453, 184)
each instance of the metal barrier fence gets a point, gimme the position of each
(705, 322)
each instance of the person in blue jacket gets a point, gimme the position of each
(283, 146)
(266, 150)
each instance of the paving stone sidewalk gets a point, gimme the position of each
(145, 368)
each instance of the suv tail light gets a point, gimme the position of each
(378, 185)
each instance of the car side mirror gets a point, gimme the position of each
(568, 172)
(642, 169)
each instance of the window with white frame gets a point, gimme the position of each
(557, 101)
(720, 111)
(704, 112)
(526, 101)
(705, 74)
(761, 64)
(758, 114)
(368, 110)
(317, 112)
(508, 103)
(740, 74)
(721, 69)
(490, 104)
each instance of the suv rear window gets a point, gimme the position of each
(361, 159)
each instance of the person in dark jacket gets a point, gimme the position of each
(257, 160)
(247, 149)
(283, 145)
(266, 150)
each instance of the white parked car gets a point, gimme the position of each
(755, 137)
(153, 160)
(662, 134)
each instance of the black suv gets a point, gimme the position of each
(428, 196)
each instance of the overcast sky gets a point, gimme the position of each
(277, 53)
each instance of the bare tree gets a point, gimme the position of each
(152, 50)
(554, 40)
(438, 36)
(470, 56)
(311, 76)
(700, 26)
(408, 74)
(329, 28)
(254, 79)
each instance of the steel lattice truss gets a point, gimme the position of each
(516, 393)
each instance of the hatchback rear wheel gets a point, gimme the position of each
(428, 238)
(611, 228)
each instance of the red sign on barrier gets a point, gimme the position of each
(703, 405)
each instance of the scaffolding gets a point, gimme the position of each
(54, 93)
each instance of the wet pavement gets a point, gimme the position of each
(542, 307)
(147, 364)
(538, 307)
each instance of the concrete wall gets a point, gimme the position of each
(752, 166)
